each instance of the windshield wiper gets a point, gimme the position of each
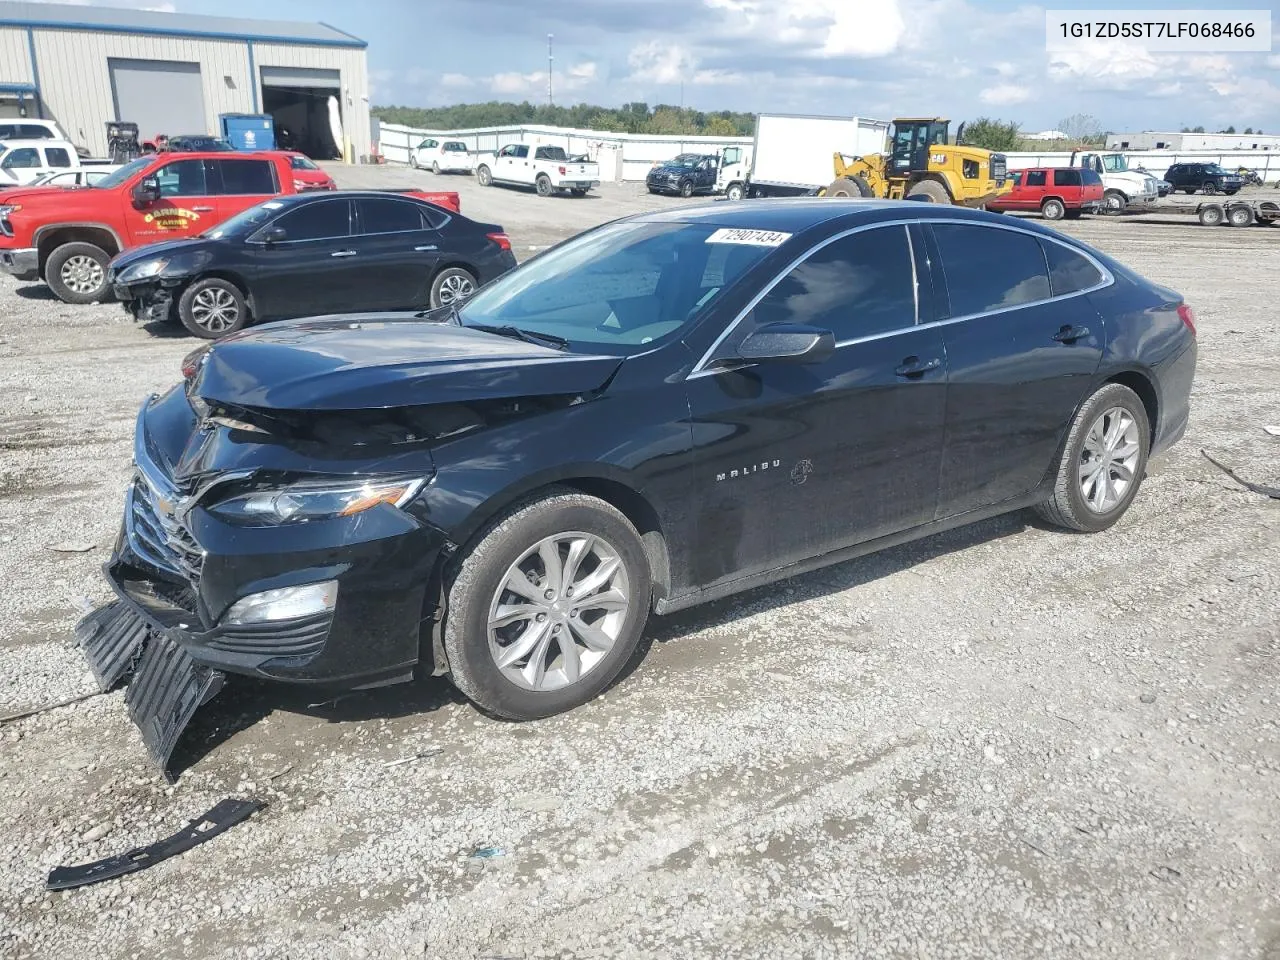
(515, 333)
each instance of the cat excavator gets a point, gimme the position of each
(922, 164)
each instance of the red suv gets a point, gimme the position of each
(1056, 192)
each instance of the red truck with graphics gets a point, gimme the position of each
(67, 237)
(1056, 192)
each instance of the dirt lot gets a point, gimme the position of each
(1000, 742)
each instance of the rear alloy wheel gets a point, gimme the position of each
(451, 287)
(543, 185)
(547, 608)
(77, 273)
(1053, 210)
(1103, 462)
(212, 308)
(686, 189)
(483, 176)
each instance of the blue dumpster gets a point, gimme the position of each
(249, 131)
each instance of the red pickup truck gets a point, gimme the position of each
(67, 237)
(1056, 192)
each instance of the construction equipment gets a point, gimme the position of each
(922, 164)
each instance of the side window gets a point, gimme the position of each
(520, 152)
(57, 157)
(1035, 178)
(183, 178)
(317, 221)
(1068, 270)
(1016, 177)
(1066, 178)
(856, 286)
(989, 268)
(246, 177)
(21, 158)
(33, 131)
(385, 215)
(7, 131)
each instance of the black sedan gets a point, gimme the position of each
(301, 255)
(662, 411)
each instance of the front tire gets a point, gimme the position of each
(77, 273)
(413, 159)
(547, 607)
(213, 308)
(484, 176)
(452, 286)
(1114, 202)
(686, 189)
(1103, 462)
(929, 191)
(734, 192)
(1210, 188)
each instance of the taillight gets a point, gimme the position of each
(191, 362)
(1188, 317)
(501, 239)
(563, 171)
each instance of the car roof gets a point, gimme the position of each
(35, 142)
(793, 215)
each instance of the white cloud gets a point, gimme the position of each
(827, 28)
(516, 83)
(658, 62)
(1004, 94)
(455, 80)
(576, 78)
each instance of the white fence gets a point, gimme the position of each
(1265, 162)
(622, 156)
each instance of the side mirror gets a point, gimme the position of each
(275, 235)
(787, 343)
(147, 191)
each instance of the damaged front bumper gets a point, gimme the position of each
(150, 301)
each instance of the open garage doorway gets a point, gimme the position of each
(298, 100)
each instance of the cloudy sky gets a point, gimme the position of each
(875, 58)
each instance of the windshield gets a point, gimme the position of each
(686, 159)
(455, 146)
(618, 287)
(125, 173)
(1115, 163)
(247, 221)
(302, 163)
(1214, 169)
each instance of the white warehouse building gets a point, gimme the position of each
(172, 73)
(1232, 142)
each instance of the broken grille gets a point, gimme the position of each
(157, 535)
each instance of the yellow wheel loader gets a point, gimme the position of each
(923, 165)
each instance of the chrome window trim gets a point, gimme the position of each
(701, 370)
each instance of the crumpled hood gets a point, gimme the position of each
(165, 248)
(375, 361)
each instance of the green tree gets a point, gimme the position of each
(636, 117)
(1248, 129)
(992, 134)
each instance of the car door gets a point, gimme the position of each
(186, 206)
(241, 183)
(503, 168)
(521, 164)
(312, 269)
(1032, 192)
(397, 252)
(1022, 350)
(795, 460)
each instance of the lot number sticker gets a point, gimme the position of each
(754, 238)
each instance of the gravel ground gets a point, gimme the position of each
(999, 742)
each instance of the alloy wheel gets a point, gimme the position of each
(214, 310)
(1107, 460)
(455, 288)
(82, 274)
(558, 611)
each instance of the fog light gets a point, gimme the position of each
(287, 603)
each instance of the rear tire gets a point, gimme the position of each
(1211, 215)
(929, 191)
(548, 678)
(1053, 209)
(543, 185)
(213, 308)
(435, 168)
(1110, 432)
(453, 285)
(77, 273)
(1240, 215)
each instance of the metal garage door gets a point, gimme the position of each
(160, 96)
(301, 77)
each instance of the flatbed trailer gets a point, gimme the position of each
(1238, 213)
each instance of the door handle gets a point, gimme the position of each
(1070, 334)
(427, 246)
(203, 209)
(915, 367)
(343, 253)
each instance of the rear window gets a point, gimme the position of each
(57, 156)
(455, 146)
(1066, 178)
(989, 268)
(247, 177)
(550, 153)
(1069, 271)
(388, 216)
(1090, 178)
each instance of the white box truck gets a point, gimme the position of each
(792, 155)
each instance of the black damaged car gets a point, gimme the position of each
(659, 412)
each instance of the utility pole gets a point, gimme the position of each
(550, 61)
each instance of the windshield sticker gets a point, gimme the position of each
(754, 238)
(273, 205)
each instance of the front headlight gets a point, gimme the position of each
(315, 500)
(8, 208)
(143, 270)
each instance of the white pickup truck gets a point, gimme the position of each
(23, 161)
(547, 169)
